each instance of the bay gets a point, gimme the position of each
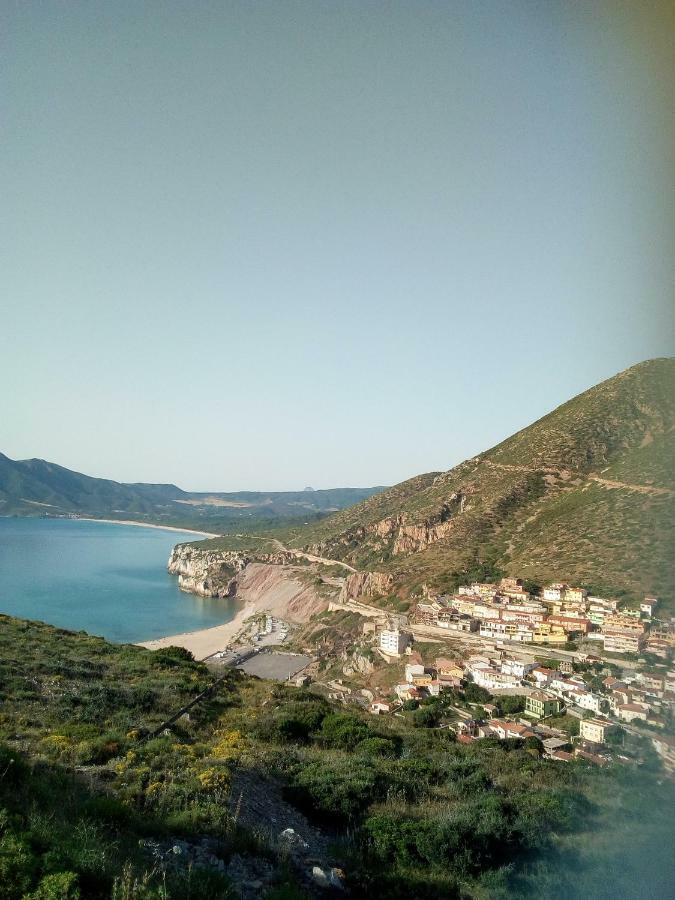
(107, 579)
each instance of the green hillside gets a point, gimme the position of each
(585, 494)
(34, 487)
(104, 797)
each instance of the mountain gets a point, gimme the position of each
(34, 487)
(584, 494)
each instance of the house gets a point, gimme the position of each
(566, 667)
(518, 667)
(449, 668)
(623, 642)
(545, 633)
(407, 692)
(510, 584)
(658, 647)
(542, 675)
(665, 748)
(654, 684)
(394, 642)
(484, 590)
(493, 679)
(378, 707)
(413, 670)
(588, 700)
(555, 743)
(467, 727)
(629, 711)
(571, 624)
(648, 606)
(594, 730)
(455, 621)
(591, 757)
(561, 755)
(623, 634)
(449, 682)
(541, 705)
(503, 729)
(575, 595)
(554, 593)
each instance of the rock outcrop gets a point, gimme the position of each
(366, 584)
(208, 573)
(271, 584)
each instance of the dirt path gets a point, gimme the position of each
(565, 473)
(639, 488)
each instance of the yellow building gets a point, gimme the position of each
(594, 730)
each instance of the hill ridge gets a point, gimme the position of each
(583, 494)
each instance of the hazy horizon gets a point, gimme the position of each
(259, 247)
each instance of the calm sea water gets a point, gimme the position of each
(109, 580)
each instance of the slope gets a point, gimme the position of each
(584, 494)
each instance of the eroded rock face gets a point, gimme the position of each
(207, 573)
(366, 584)
(355, 662)
(397, 534)
(275, 587)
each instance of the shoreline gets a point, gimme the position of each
(205, 641)
(208, 534)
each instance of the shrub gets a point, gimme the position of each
(341, 791)
(172, 657)
(16, 866)
(60, 886)
(377, 746)
(342, 731)
(215, 779)
(426, 717)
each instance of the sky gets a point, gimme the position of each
(264, 245)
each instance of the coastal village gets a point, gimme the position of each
(575, 675)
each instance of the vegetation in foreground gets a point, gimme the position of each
(92, 783)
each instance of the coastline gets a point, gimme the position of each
(206, 641)
(209, 534)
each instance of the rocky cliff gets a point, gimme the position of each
(207, 573)
(269, 584)
(366, 584)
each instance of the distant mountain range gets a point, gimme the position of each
(34, 487)
(586, 495)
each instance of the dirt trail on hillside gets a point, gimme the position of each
(640, 488)
(565, 473)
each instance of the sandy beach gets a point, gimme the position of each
(207, 641)
(208, 534)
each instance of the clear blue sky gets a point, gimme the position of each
(270, 244)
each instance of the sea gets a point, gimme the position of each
(106, 579)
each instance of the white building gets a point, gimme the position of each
(413, 670)
(492, 679)
(518, 667)
(554, 593)
(648, 606)
(588, 700)
(393, 642)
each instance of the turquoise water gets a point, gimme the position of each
(109, 580)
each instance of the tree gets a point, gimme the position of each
(474, 693)
(426, 717)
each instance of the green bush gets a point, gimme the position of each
(377, 746)
(60, 886)
(342, 731)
